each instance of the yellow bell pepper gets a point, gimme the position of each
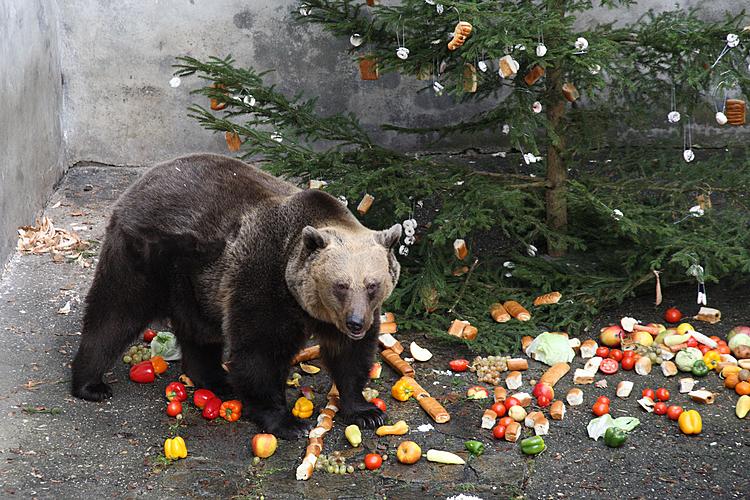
(303, 408)
(175, 448)
(690, 422)
(712, 359)
(402, 390)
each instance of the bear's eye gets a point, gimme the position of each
(372, 287)
(340, 287)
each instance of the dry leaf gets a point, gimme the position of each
(309, 369)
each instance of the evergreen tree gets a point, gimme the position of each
(622, 219)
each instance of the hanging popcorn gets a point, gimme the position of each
(461, 32)
(439, 8)
(506, 129)
(175, 82)
(276, 137)
(536, 107)
(673, 116)
(409, 231)
(541, 50)
(617, 214)
(581, 44)
(409, 240)
(356, 40)
(403, 250)
(407, 224)
(721, 118)
(530, 158)
(732, 40)
(402, 53)
(531, 250)
(687, 143)
(429, 2)
(688, 155)
(483, 66)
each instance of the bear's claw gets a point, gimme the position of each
(287, 427)
(367, 417)
(93, 392)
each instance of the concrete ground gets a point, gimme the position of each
(55, 446)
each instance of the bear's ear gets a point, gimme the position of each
(314, 239)
(389, 237)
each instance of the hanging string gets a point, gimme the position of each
(674, 99)
(724, 51)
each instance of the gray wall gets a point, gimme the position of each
(118, 55)
(31, 138)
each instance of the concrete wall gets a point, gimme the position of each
(31, 138)
(118, 56)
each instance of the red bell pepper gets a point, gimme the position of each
(176, 392)
(212, 408)
(202, 396)
(143, 372)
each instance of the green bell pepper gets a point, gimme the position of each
(533, 445)
(615, 437)
(700, 369)
(476, 448)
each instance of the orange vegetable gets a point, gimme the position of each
(160, 366)
(230, 410)
(742, 388)
(731, 381)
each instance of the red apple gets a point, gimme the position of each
(264, 445)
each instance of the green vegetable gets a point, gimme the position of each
(686, 358)
(165, 345)
(700, 369)
(533, 445)
(551, 349)
(597, 427)
(615, 437)
(476, 448)
(739, 339)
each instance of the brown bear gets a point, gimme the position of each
(235, 257)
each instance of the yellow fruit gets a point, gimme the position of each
(408, 452)
(643, 338)
(683, 328)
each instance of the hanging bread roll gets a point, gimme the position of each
(735, 111)
(368, 68)
(517, 310)
(498, 313)
(554, 374)
(470, 78)
(217, 105)
(547, 299)
(459, 248)
(461, 32)
(533, 75)
(365, 204)
(570, 92)
(233, 141)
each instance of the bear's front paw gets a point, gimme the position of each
(93, 391)
(285, 426)
(367, 416)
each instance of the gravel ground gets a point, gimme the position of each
(53, 445)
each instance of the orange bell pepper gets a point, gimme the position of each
(690, 422)
(160, 366)
(402, 390)
(230, 410)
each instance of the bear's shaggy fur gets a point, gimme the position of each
(232, 255)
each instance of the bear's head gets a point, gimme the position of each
(343, 275)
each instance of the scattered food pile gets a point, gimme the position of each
(45, 238)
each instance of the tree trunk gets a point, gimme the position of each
(557, 174)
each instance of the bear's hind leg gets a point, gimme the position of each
(119, 305)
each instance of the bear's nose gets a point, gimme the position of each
(354, 324)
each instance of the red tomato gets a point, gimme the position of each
(603, 399)
(721, 342)
(505, 421)
(602, 352)
(672, 315)
(648, 393)
(600, 409)
(723, 349)
(609, 366)
(715, 338)
(662, 394)
(149, 335)
(628, 363)
(616, 354)
(174, 408)
(373, 461)
(498, 431)
(628, 354)
(691, 342)
(378, 402)
(703, 348)
(673, 412)
(498, 408)
(543, 401)
(660, 408)
(459, 365)
(511, 401)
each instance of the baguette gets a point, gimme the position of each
(388, 341)
(554, 374)
(517, 310)
(529, 420)
(434, 409)
(557, 410)
(526, 340)
(315, 438)
(470, 332)
(588, 348)
(643, 366)
(457, 327)
(398, 364)
(514, 380)
(387, 317)
(498, 313)
(574, 397)
(575, 344)
(702, 396)
(592, 365)
(517, 364)
(541, 426)
(686, 385)
(548, 298)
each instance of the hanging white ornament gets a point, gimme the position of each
(439, 8)
(409, 231)
(414, 221)
(305, 10)
(673, 116)
(249, 100)
(519, 47)
(409, 240)
(594, 69)
(581, 44)
(343, 200)
(407, 224)
(531, 250)
(508, 275)
(403, 250)
(508, 264)
(175, 82)
(688, 155)
(402, 53)
(696, 211)
(482, 65)
(687, 142)
(529, 158)
(506, 129)
(617, 214)
(276, 137)
(429, 2)
(356, 40)
(438, 88)
(732, 40)
(541, 50)
(721, 118)
(536, 107)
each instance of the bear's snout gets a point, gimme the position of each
(355, 324)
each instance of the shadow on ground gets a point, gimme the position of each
(56, 446)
